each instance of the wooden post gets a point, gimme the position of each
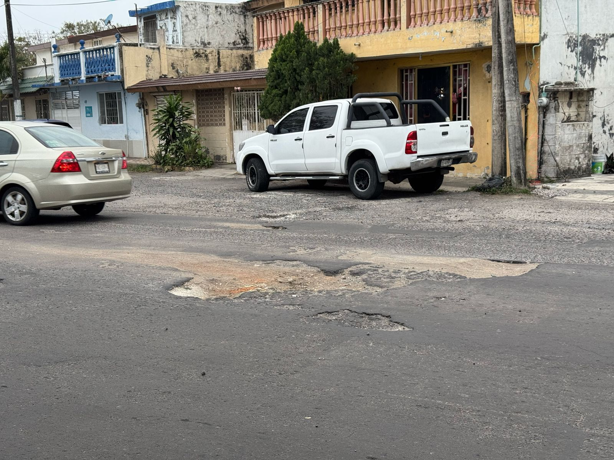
(499, 147)
(512, 95)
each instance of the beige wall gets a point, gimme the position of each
(150, 63)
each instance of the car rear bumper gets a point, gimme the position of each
(68, 189)
(443, 161)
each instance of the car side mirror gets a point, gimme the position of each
(271, 129)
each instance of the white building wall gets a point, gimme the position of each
(595, 67)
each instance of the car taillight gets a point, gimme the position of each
(411, 147)
(124, 162)
(472, 140)
(66, 162)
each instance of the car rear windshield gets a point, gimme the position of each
(60, 137)
(364, 112)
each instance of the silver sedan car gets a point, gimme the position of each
(48, 167)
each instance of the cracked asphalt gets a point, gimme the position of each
(308, 325)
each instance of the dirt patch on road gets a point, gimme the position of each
(212, 276)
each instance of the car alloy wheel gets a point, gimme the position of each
(15, 206)
(362, 179)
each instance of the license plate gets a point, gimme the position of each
(446, 163)
(102, 168)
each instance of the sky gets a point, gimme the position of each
(40, 15)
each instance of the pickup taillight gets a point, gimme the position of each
(472, 141)
(411, 146)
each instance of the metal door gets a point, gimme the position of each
(246, 119)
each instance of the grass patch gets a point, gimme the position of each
(491, 187)
(140, 168)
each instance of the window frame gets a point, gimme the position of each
(40, 112)
(15, 144)
(278, 126)
(103, 115)
(147, 35)
(313, 111)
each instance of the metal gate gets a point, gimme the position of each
(246, 119)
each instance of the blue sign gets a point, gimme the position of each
(89, 113)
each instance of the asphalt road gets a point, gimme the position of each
(196, 320)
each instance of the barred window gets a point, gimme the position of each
(150, 26)
(42, 109)
(110, 108)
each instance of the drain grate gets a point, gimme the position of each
(361, 320)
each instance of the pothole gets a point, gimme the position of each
(361, 320)
(513, 262)
(277, 216)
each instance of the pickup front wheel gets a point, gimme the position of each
(426, 183)
(364, 180)
(256, 175)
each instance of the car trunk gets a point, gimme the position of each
(97, 162)
(444, 137)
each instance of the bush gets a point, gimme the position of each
(180, 143)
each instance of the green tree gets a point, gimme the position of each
(301, 72)
(24, 57)
(179, 141)
(83, 27)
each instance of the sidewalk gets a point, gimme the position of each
(598, 188)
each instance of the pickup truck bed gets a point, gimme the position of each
(365, 140)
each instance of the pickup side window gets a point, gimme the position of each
(8, 144)
(293, 123)
(368, 112)
(323, 117)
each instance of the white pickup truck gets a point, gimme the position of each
(363, 139)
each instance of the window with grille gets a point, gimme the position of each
(246, 111)
(210, 107)
(97, 42)
(150, 25)
(42, 109)
(110, 108)
(407, 91)
(460, 92)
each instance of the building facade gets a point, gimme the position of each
(577, 119)
(422, 49)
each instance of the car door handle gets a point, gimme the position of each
(330, 136)
(298, 139)
(3, 163)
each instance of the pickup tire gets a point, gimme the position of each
(256, 175)
(364, 180)
(426, 183)
(316, 184)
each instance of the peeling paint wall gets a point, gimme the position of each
(595, 68)
(216, 25)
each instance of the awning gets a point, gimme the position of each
(25, 85)
(243, 79)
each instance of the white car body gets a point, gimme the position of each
(327, 153)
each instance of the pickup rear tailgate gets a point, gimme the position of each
(445, 137)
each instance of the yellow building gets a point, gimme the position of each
(438, 49)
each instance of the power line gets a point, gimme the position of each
(64, 4)
(38, 20)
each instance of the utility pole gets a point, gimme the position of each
(499, 144)
(515, 134)
(14, 76)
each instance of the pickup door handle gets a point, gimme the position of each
(273, 140)
(445, 133)
(298, 139)
(3, 163)
(330, 136)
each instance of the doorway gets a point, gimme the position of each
(433, 83)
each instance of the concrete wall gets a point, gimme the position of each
(384, 75)
(127, 136)
(595, 67)
(216, 25)
(151, 62)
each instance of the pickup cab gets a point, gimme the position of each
(364, 140)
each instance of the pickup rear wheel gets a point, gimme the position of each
(364, 180)
(426, 183)
(256, 175)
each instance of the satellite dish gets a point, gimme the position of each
(108, 20)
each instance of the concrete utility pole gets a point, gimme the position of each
(515, 136)
(499, 144)
(14, 76)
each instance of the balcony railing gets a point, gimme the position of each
(99, 62)
(352, 18)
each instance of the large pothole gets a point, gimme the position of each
(361, 320)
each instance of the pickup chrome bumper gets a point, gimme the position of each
(442, 161)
